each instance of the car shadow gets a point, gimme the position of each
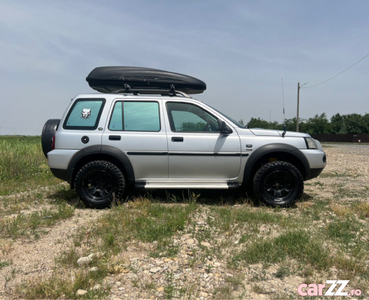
(208, 197)
(229, 197)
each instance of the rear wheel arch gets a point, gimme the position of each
(106, 153)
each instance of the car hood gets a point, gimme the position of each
(267, 132)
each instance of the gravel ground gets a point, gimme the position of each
(148, 277)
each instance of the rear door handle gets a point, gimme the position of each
(114, 137)
(177, 139)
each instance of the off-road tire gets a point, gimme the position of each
(48, 131)
(278, 183)
(99, 183)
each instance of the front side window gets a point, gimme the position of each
(84, 114)
(135, 116)
(185, 117)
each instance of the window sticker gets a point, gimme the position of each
(86, 113)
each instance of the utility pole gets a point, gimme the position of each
(298, 107)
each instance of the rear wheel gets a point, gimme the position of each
(278, 183)
(99, 183)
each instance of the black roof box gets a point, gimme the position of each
(142, 80)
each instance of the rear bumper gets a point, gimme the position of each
(60, 173)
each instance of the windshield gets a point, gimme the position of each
(230, 119)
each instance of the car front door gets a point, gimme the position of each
(197, 148)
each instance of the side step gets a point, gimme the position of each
(184, 184)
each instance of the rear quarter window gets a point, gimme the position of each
(84, 114)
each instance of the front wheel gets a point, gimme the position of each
(278, 183)
(99, 183)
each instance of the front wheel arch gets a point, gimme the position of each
(272, 152)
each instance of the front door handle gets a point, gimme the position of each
(114, 137)
(177, 139)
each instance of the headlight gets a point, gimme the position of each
(310, 143)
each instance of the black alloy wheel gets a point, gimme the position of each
(278, 183)
(99, 184)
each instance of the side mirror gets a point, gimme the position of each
(224, 128)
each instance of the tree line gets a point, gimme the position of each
(338, 124)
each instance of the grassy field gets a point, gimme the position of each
(321, 238)
(22, 164)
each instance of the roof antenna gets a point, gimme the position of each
(284, 113)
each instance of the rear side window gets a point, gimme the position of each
(135, 116)
(84, 114)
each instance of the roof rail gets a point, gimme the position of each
(137, 91)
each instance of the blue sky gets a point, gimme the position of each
(241, 49)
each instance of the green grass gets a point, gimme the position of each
(58, 285)
(22, 164)
(3, 264)
(140, 220)
(345, 231)
(334, 174)
(290, 245)
(32, 223)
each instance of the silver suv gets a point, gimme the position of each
(107, 142)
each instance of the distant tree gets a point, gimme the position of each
(275, 125)
(366, 121)
(355, 123)
(337, 124)
(258, 123)
(291, 125)
(192, 127)
(318, 125)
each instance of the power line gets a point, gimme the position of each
(306, 87)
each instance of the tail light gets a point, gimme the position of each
(53, 143)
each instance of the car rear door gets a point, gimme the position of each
(135, 128)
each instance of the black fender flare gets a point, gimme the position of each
(99, 152)
(279, 148)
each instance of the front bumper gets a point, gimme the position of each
(317, 160)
